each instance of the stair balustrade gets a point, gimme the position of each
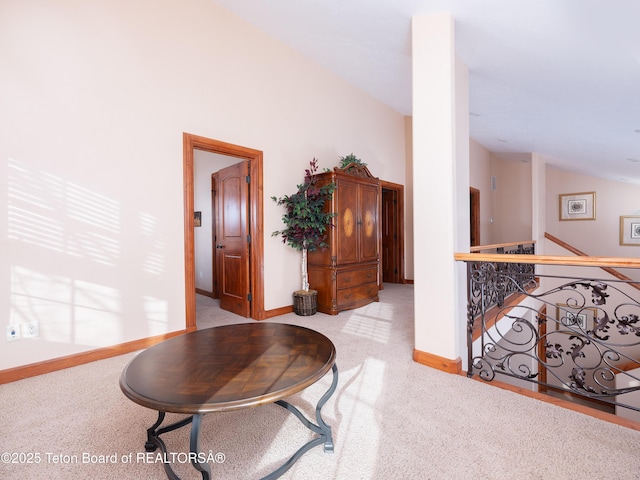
(574, 331)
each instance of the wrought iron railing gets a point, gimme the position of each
(523, 247)
(572, 332)
(522, 273)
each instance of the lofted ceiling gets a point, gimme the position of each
(557, 77)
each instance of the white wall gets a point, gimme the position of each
(95, 97)
(480, 178)
(506, 212)
(511, 200)
(627, 380)
(511, 204)
(599, 237)
(408, 201)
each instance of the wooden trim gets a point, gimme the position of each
(564, 245)
(627, 366)
(577, 252)
(48, 366)
(607, 417)
(620, 262)
(278, 311)
(379, 233)
(256, 201)
(205, 293)
(584, 261)
(189, 242)
(256, 205)
(356, 170)
(437, 362)
(569, 394)
(495, 246)
(407, 281)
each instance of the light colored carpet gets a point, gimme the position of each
(392, 419)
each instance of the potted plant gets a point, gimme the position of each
(306, 225)
(349, 159)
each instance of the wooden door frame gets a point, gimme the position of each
(215, 291)
(399, 245)
(256, 224)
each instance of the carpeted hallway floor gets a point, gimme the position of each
(391, 417)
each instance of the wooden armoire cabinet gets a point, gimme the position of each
(346, 273)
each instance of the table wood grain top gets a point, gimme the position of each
(227, 367)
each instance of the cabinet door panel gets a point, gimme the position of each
(368, 223)
(347, 223)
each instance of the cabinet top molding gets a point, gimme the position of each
(355, 169)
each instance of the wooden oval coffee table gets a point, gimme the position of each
(229, 368)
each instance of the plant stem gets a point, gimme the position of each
(305, 275)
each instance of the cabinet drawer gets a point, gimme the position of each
(356, 277)
(355, 295)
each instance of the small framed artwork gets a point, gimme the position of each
(197, 219)
(572, 317)
(578, 206)
(630, 230)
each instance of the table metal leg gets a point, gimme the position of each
(154, 441)
(322, 429)
(328, 444)
(194, 446)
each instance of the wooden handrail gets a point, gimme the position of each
(614, 262)
(564, 245)
(479, 248)
(610, 271)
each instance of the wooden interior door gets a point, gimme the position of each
(391, 232)
(474, 216)
(389, 254)
(232, 239)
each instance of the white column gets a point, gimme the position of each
(441, 187)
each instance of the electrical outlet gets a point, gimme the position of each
(30, 329)
(13, 333)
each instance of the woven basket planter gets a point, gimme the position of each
(305, 303)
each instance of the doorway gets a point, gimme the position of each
(474, 215)
(255, 222)
(392, 235)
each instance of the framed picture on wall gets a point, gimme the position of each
(578, 206)
(571, 317)
(197, 219)
(630, 230)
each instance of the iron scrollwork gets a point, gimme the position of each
(581, 336)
